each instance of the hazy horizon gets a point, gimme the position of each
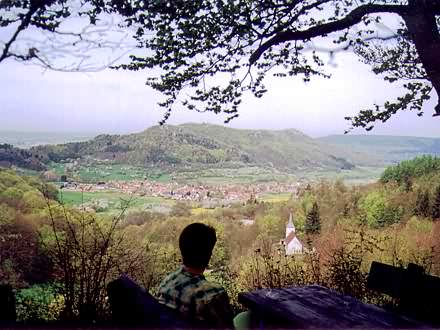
(119, 102)
(92, 134)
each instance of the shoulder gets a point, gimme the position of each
(207, 291)
(213, 306)
(211, 286)
(171, 277)
(174, 274)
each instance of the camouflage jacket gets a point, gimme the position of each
(195, 298)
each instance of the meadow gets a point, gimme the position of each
(113, 203)
(107, 172)
(357, 175)
(209, 176)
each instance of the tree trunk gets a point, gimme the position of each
(423, 30)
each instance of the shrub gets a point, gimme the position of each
(39, 303)
(88, 253)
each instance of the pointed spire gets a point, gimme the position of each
(290, 223)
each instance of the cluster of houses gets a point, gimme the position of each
(227, 193)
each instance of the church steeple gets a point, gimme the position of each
(290, 223)
(292, 243)
(290, 226)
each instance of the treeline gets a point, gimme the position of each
(408, 170)
(23, 261)
(69, 256)
(11, 156)
(60, 260)
(421, 175)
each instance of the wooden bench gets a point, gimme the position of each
(131, 306)
(317, 307)
(418, 294)
(7, 304)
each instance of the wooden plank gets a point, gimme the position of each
(131, 305)
(386, 279)
(318, 307)
(398, 282)
(7, 304)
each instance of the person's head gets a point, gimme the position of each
(196, 243)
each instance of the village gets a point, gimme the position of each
(205, 194)
(208, 196)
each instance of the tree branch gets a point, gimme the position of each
(348, 21)
(23, 25)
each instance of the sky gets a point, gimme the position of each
(109, 101)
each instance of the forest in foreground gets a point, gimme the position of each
(59, 259)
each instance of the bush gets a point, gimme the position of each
(378, 211)
(88, 253)
(39, 303)
(271, 269)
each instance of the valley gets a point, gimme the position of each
(342, 194)
(206, 165)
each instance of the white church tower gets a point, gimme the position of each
(290, 226)
(292, 243)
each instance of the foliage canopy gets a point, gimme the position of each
(409, 169)
(209, 54)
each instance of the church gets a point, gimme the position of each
(291, 243)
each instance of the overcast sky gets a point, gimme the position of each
(109, 101)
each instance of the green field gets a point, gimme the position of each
(113, 203)
(242, 175)
(213, 176)
(108, 172)
(358, 175)
(275, 197)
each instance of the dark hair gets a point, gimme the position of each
(196, 243)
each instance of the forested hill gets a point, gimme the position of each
(389, 148)
(210, 146)
(11, 156)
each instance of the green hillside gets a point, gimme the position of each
(192, 146)
(391, 149)
(15, 157)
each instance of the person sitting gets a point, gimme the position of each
(187, 291)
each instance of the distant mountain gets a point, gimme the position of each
(31, 139)
(11, 156)
(391, 149)
(203, 145)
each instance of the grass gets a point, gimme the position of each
(213, 176)
(242, 175)
(109, 172)
(201, 210)
(275, 197)
(113, 202)
(359, 175)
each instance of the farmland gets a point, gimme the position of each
(106, 172)
(113, 203)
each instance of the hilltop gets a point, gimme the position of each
(204, 145)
